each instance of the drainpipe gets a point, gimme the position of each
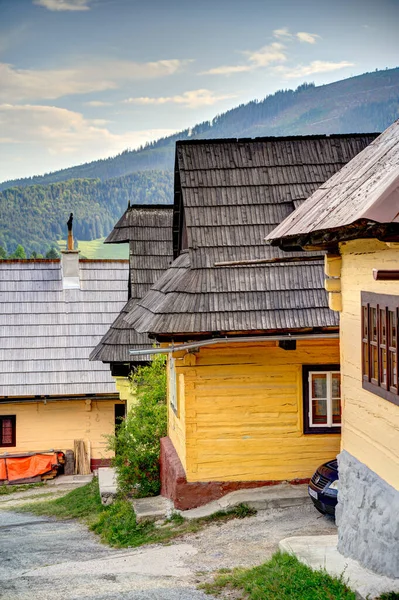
(232, 340)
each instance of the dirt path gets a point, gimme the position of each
(54, 560)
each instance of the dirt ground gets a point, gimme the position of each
(41, 558)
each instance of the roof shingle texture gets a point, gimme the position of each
(366, 188)
(47, 332)
(233, 191)
(148, 229)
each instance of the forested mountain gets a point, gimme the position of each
(365, 103)
(36, 216)
(33, 211)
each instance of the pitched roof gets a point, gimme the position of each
(148, 228)
(47, 332)
(365, 190)
(230, 192)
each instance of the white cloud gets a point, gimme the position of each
(97, 103)
(282, 33)
(227, 70)
(317, 66)
(60, 5)
(267, 55)
(48, 138)
(273, 53)
(302, 36)
(190, 99)
(32, 84)
(309, 38)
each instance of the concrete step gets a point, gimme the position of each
(320, 552)
(107, 485)
(152, 509)
(264, 498)
(70, 480)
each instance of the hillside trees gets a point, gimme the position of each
(35, 217)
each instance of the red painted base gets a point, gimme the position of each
(187, 495)
(95, 463)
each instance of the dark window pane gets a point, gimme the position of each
(374, 362)
(336, 385)
(383, 323)
(6, 431)
(366, 360)
(365, 322)
(373, 323)
(392, 329)
(319, 385)
(319, 412)
(336, 407)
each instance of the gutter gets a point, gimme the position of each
(232, 340)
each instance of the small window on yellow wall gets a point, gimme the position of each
(380, 320)
(322, 398)
(172, 384)
(8, 431)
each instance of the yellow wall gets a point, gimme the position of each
(126, 391)
(56, 425)
(371, 424)
(240, 417)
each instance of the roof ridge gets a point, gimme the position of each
(275, 138)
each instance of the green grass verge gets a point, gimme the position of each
(97, 249)
(283, 577)
(5, 490)
(116, 524)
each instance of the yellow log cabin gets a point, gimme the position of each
(253, 368)
(355, 218)
(52, 314)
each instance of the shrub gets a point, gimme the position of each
(136, 444)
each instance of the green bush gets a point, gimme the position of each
(136, 444)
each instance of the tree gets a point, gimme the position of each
(19, 252)
(3, 253)
(52, 253)
(136, 444)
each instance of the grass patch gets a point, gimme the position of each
(82, 503)
(283, 577)
(5, 490)
(97, 249)
(389, 596)
(116, 524)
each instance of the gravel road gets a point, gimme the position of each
(41, 558)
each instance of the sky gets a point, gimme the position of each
(85, 79)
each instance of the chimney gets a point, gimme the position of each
(70, 262)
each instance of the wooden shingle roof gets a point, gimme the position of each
(227, 194)
(353, 202)
(47, 332)
(148, 229)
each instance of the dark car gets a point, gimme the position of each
(323, 488)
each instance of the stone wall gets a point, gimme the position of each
(367, 516)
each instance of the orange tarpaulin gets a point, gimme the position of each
(27, 467)
(3, 472)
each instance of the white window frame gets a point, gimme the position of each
(329, 400)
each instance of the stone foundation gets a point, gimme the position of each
(186, 495)
(367, 516)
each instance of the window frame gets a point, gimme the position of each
(383, 304)
(307, 427)
(13, 419)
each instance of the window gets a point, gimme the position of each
(380, 345)
(322, 398)
(7, 431)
